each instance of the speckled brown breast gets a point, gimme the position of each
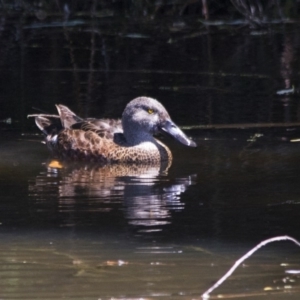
(77, 144)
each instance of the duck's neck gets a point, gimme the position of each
(133, 139)
(134, 135)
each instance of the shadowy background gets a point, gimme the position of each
(209, 62)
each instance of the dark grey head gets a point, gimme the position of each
(144, 117)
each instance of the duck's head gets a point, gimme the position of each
(144, 117)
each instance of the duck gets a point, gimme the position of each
(126, 140)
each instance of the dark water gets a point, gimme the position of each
(75, 231)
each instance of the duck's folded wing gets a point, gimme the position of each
(67, 117)
(105, 128)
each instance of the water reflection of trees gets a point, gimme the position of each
(252, 9)
(79, 52)
(144, 193)
(259, 13)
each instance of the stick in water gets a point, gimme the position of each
(205, 295)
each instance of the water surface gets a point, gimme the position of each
(84, 231)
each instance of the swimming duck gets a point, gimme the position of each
(129, 140)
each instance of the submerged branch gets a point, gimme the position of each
(240, 126)
(151, 71)
(205, 295)
(43, 115)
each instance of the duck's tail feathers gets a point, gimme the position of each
(48, 124)
(53, 124)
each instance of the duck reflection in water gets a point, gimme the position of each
(143, 192)
(129, 140)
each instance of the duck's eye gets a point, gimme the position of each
(150, 111)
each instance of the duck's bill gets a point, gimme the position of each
(172, 129)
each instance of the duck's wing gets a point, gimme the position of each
(53, 124)
(67, 117)
(105, 128)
